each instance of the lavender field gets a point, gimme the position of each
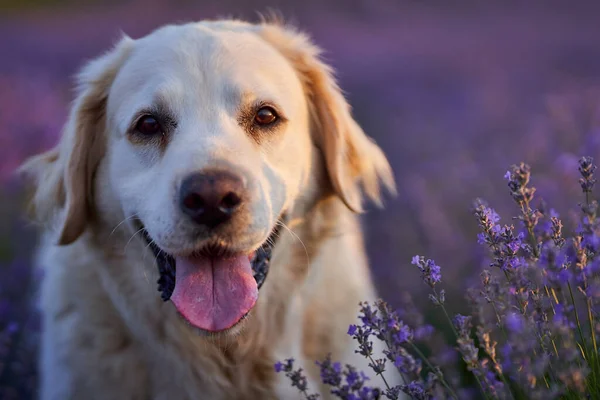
(454, 94)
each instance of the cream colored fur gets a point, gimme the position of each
(106, 332)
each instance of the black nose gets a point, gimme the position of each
(211, 198)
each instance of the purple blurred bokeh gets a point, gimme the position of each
(454, 95)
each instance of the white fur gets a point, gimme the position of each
(106, 333)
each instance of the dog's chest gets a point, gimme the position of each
(200, 372)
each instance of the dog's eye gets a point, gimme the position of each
(148, 126)
(265, 116)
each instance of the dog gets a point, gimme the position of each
(199, 219)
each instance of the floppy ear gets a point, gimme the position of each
(356, 165)
(63, 176)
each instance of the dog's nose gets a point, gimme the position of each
(211, 198)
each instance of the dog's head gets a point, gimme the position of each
(206, 135)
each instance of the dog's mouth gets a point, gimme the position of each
(213, 289)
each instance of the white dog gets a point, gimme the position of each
(203, 156)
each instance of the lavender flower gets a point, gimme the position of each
(518, 178)
(587, 169)
(331, 373)
(346, 383)
(415, 390)
(430, 272)
(296, 376)
(361, 334)
(556, 234)
(514, 322)
(531, 334)
(502, 240)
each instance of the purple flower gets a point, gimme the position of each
(405, 362)
(296, 376)
(402, 333)
(593, 291)
(424, 332)
(438, 299)
(279, 366)
(586, 169)
(331, 372)
(415, 390)
(481, 238)
(354, 379)
(347, 382)
(521, 303)
(514, 322)
(501, 240)
(487, 219)
(556, 233)
(362, 334)
(378, 365)
(393, 392)
(351, 330)
(462, 324)
(518, 178)
(561, 315)
(430, 272)
(369, 316)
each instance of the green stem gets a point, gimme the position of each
(523, 309)
(483, 392)
(595, 360)
(383, 377)
(587, 198)
(433, 369)
(500, 324)
(525, 210)
(481, 386)
(585, 350)
(448, 317)
(554, 313)
(501, 374)
(591, 320)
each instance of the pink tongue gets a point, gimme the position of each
(214, 294)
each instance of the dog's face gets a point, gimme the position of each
(209, 145)
(207, 135)
(209, 138)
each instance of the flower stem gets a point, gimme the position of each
(383, 377)
(595, 359)
(584, 347)
(434, 370)
(500, 324)
(591, 321)
(483, 392)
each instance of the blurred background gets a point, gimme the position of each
(454, 93)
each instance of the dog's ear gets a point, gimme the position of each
(63, 176)
(356, 165)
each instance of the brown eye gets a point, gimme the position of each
(148, 126)
(265, 116)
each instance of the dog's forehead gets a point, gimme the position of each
(206, 62)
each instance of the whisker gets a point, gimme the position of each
(121, 223)
(270, 242)
(144, 258)
(281, 223)
(131, 238)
